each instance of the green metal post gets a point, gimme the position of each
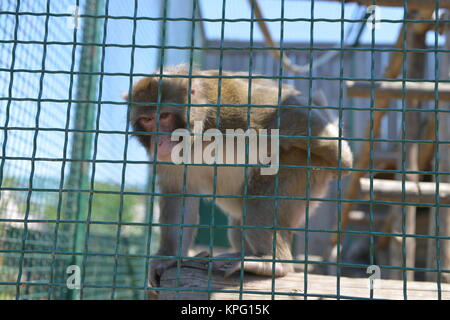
(76, 202)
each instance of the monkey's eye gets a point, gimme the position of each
(146, 119)
(164, 115)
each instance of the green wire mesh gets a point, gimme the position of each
(55, 208)
(76, 189)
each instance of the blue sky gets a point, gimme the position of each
(327, 32)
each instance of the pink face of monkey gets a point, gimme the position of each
(168, 122)
(143, 114)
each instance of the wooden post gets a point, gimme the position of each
(415, 39)
(426, 150)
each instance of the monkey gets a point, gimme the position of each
(191, 96)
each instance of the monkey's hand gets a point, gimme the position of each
(157, 268)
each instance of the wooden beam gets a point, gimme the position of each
(195, 282)
(287, 63)
(426, 150)
(420, 91)
(415, 192)
(412, 4)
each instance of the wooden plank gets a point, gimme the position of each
(416, 192)
(412, 4)
(290, 287)
(420, 91)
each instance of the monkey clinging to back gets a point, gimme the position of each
(267, 195)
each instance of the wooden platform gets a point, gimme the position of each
(290, 287)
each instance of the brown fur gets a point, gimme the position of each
(293, 120)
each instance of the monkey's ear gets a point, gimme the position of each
(185, 84)
(196, 86)
(125, 96)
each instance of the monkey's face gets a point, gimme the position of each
(168, 122)
(144, 117)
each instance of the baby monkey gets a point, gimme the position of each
(273, 203)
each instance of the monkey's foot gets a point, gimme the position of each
(262, 268)
(158, 266)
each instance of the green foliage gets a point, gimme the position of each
(116, 207)
(107, 205)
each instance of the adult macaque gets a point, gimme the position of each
(292, 120)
